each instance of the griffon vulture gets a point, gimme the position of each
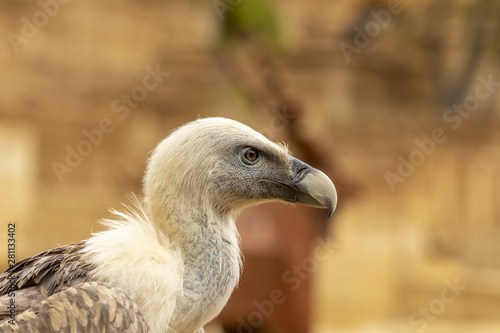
(170, 263)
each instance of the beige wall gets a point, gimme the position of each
(396, 249)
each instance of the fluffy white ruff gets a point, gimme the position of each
(133, 255)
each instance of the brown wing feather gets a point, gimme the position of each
(36, 278)
(50, 270)
(85, 307)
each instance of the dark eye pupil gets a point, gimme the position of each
(251, 155)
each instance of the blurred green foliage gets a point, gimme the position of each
(251, 18)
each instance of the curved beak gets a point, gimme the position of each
(310, 187)
(317, 190)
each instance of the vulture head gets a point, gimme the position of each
(215, 167)
(197, 181)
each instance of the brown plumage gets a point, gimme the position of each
(52, 295)
(47, 272)
(85, 307)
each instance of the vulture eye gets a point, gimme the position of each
(250, 155)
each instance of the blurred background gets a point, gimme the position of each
(398, 101)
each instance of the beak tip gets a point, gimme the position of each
(331, 207)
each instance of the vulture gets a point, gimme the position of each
(169, 261)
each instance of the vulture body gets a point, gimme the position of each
(170, 262)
